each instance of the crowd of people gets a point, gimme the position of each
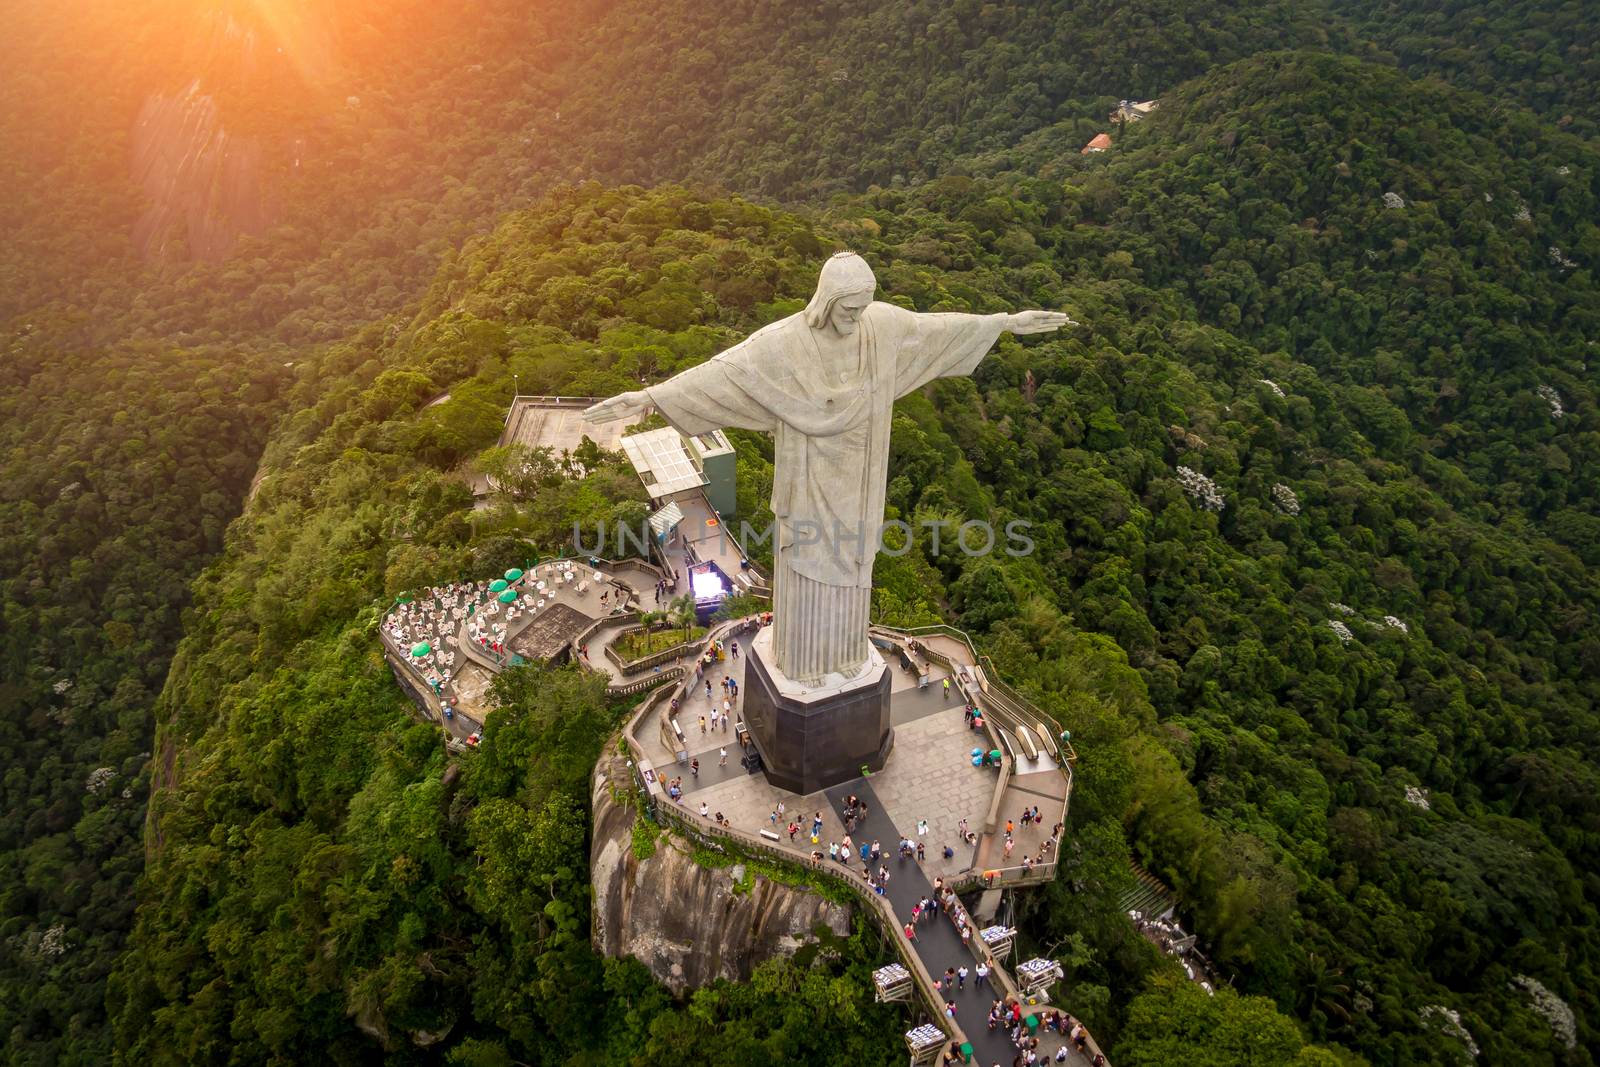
(1030, 817)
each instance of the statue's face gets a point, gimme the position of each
(847, 311)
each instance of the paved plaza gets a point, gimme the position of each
(929, 778)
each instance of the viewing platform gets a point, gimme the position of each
(696, 774)
(970, 757)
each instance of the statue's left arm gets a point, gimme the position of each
(947, 344)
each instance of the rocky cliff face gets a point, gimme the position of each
(682, 920)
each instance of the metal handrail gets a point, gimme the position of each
(992, 681)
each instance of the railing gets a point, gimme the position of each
(1005, 712)
(1010, 701)
(640, 685)
(548, 401)
(1029, 874)
(644, 663)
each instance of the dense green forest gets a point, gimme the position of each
(1350, 294)
(122, 471)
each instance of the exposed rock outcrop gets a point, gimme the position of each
(683, 921)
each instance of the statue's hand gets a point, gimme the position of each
(1038, 322)
(622, 406)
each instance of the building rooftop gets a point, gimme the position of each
(663, 463)
(557, 422)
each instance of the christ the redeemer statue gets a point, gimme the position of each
(823, 382)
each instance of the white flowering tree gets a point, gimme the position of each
(1201, 489)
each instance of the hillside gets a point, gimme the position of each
(1364, 819)
(1435, 429)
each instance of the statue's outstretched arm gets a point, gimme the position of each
(1022, 322)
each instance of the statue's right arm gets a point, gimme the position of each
(622, 406)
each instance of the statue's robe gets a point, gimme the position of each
(831, 456)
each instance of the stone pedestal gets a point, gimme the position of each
(816, 736)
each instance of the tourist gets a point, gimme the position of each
(922, 854)
(911, 932)
(961, 977)
(794, 828)
(705, 811)
(720, 820)
(833, 851)
(948, 980)
(950, 1008)
(947, 687)
(702, 724)
(722, 756)
(694, 767)
(1010, 844)
(981, 975)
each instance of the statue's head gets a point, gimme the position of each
(843, 292)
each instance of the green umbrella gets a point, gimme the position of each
(497, 586)
(420, 649)
(509, 596)
(513, 574)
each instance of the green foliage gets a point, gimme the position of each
(329, 882)
(1178, 1022)
(119, 472)
(316, 892)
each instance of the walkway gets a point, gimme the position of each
(937, 943)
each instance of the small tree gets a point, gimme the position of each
(682, 609)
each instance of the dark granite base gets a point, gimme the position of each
(811, 744)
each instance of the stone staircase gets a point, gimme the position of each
(1148, 897)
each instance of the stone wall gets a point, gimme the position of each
(681, 920)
